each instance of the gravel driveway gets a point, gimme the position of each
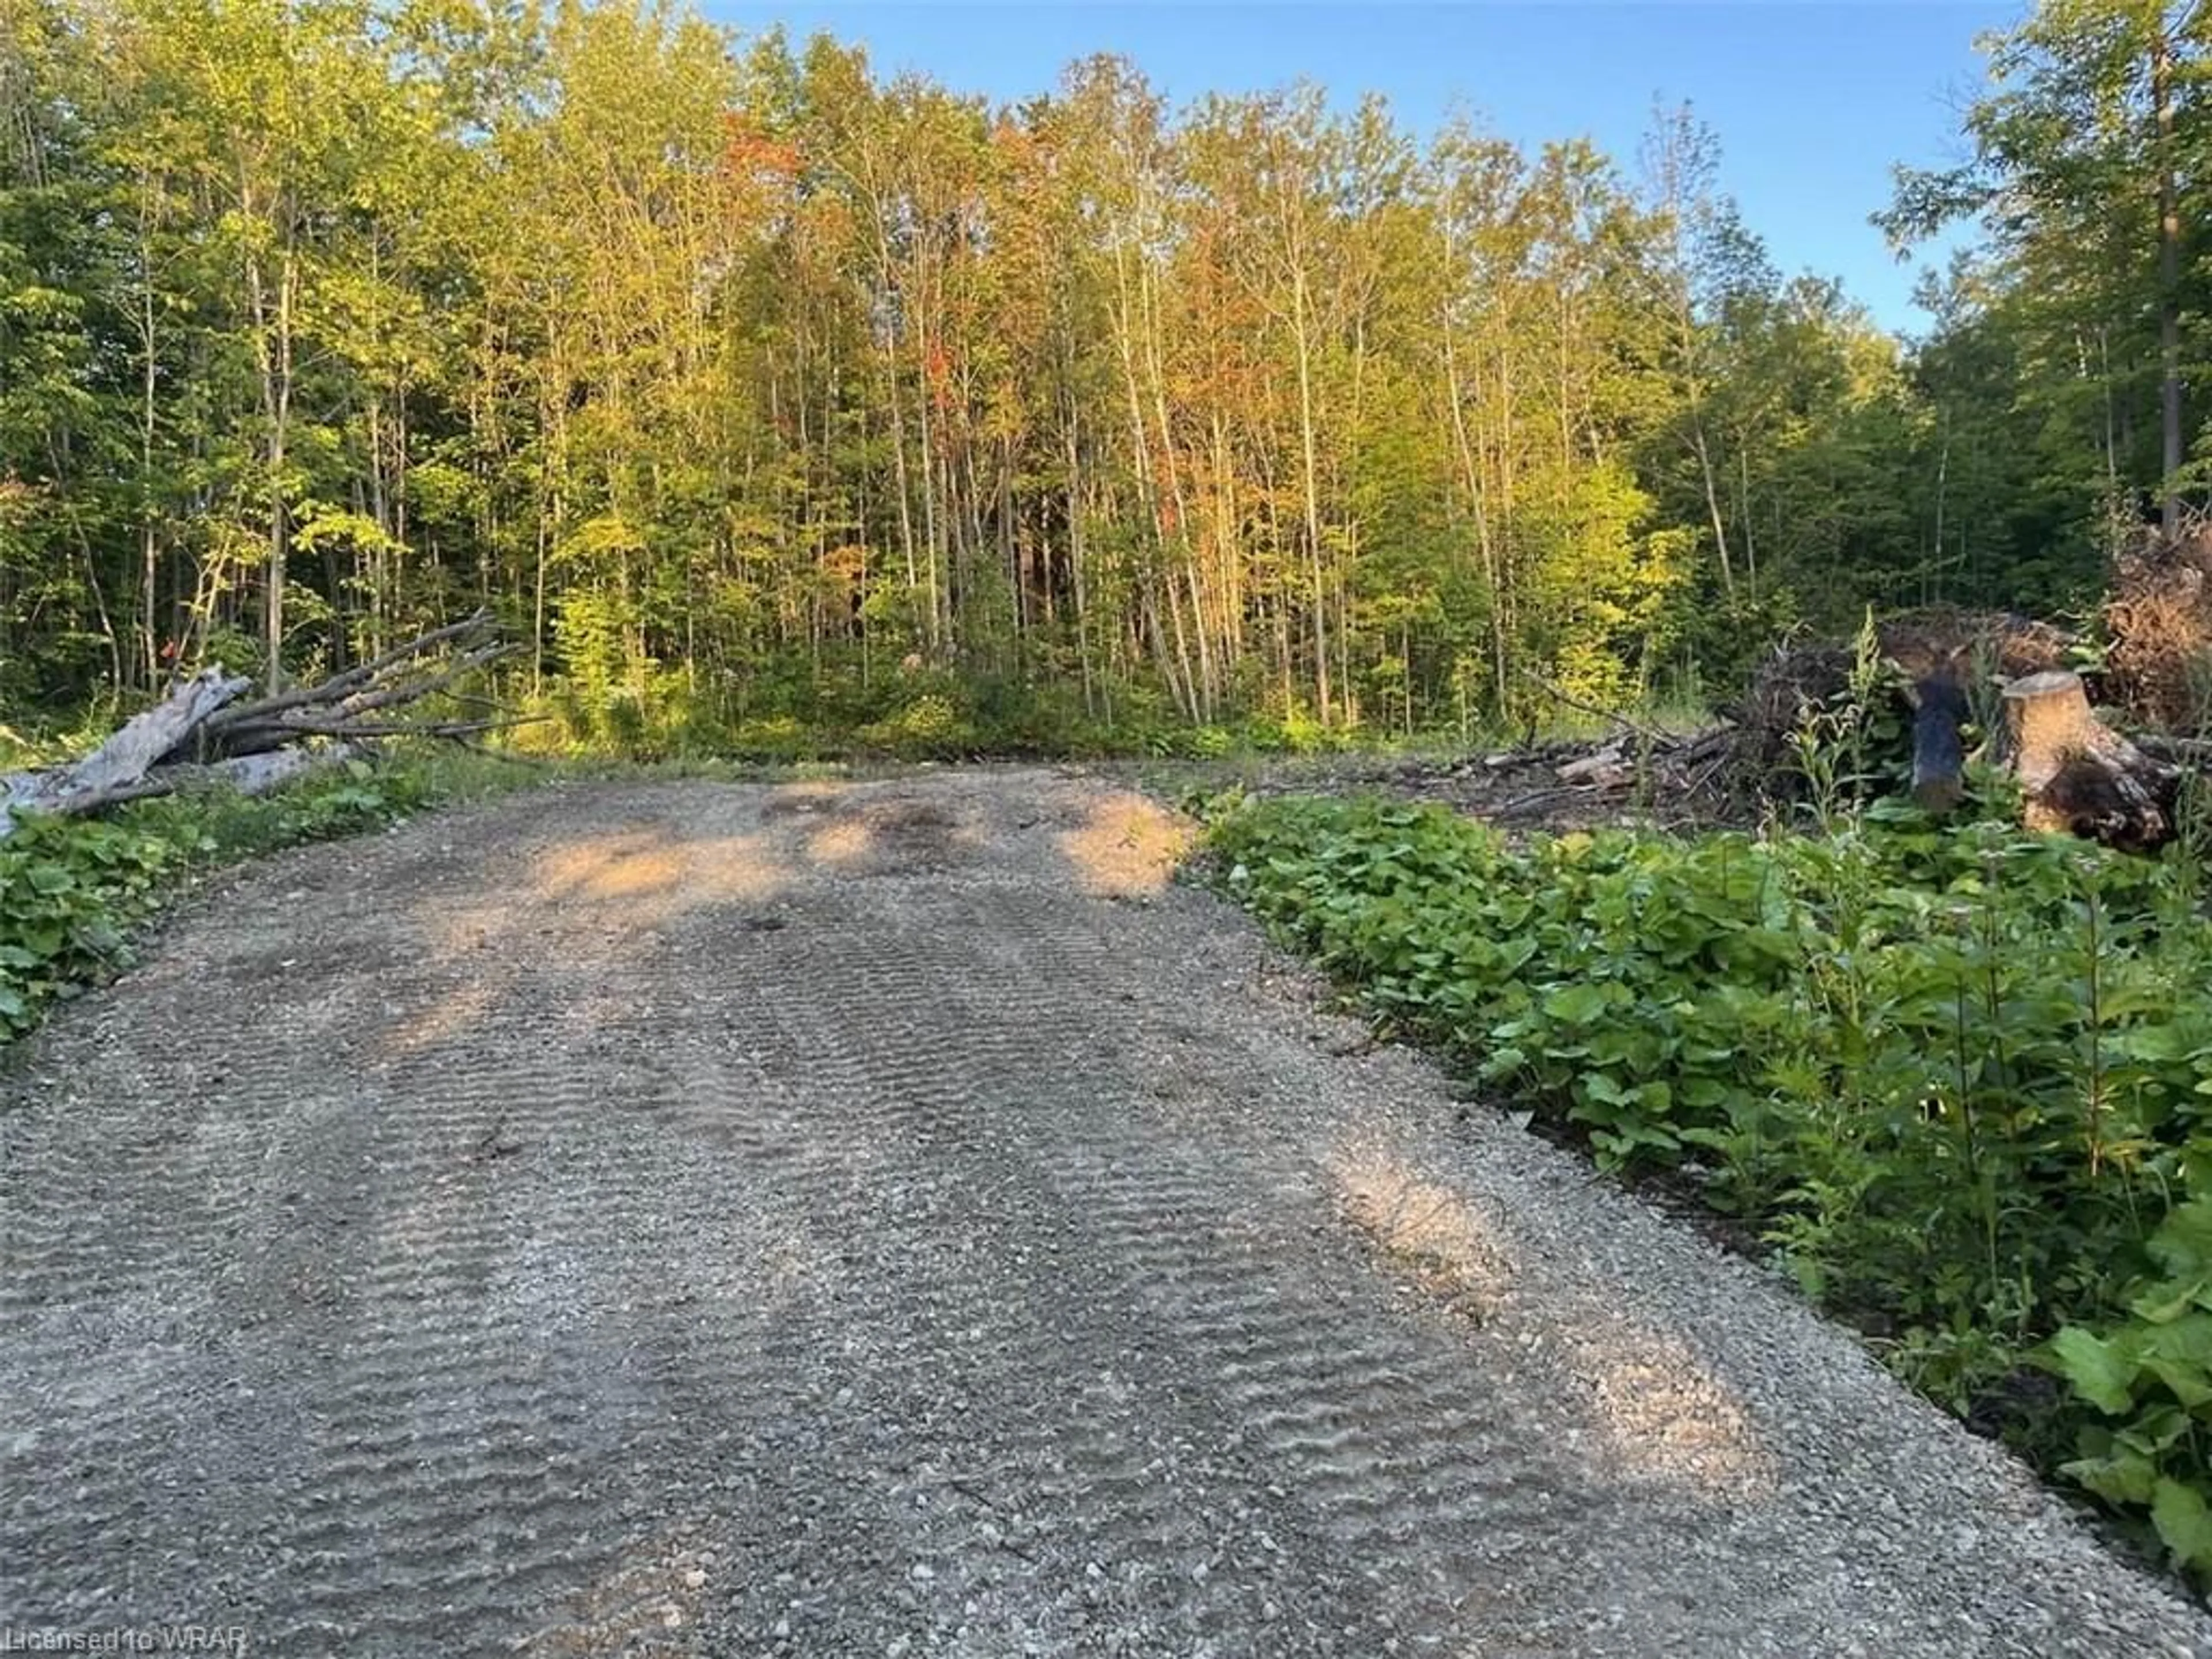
(889, 1219)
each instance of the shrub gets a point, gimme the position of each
(68, 892)
(928, 727)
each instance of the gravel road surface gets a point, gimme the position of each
(889, 1219)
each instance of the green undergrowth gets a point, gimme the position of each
(1956, 1083)
(72, 890)
(901, 714)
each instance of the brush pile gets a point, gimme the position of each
(2011, 676)
(201, 735)
(1932, 677)
(1964, 648)
(2160, 621)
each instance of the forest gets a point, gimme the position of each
(756, 393)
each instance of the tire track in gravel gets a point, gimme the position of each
(885, 1218)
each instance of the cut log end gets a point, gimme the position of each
(2076, 773)
(2049, 721)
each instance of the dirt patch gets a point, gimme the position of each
(802, 800)
(643, 873)
(893, 835)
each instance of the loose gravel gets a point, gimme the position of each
(892, 1219)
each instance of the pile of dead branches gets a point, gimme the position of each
(201, 735)
(1966, 648)
(1931, 677)
(2159, 622)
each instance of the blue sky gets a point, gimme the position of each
(1812, 102)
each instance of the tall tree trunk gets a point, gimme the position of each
(1471, 477)
(1309, 447)
(931, 530)
(905, 497)
(1502, 433)
(272, 336)
(149, 628)
(1076, 553)
(1743, 512)
(2169, 280)
(1943, 500)
(1703, 453)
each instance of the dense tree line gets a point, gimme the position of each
(743, 382)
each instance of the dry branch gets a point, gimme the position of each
(199, 735)
(401, 674)
(245, 775)
(399, 691)
(344, 685)
(1581, 706)
(258, 741)
(2159, 620)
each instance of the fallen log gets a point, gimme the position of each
(256, 774)
(2186, 751)
(1607, 769)
(2078, 774)
(112, 772)
(246, 774)
(199, 735)
(257, 740)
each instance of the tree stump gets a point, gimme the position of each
(2078, 774)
